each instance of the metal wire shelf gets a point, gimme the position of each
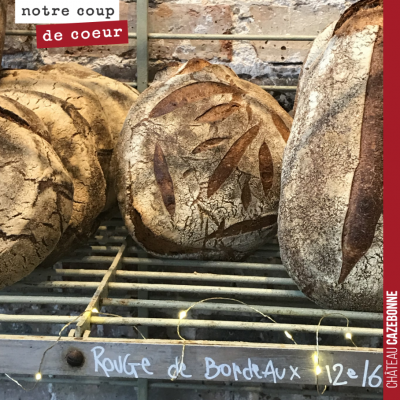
(149, 293)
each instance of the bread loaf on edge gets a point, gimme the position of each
(115, 97)
(199, 163)
(330, 214)
(84, 99)
(73, 141)
(35, 199)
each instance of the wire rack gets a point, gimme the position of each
(228, 345)
(142, 296)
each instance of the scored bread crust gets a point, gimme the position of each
(330, 214)
(75, 93)
(189, 160)
(17, 112)
(115, 97)
(73, 141)
(35, 201)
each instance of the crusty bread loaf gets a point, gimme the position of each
(75, 93)
(198, 164)
(73, 141)
(330, 218)
(35, 200)
(24, 116)
(115, 97)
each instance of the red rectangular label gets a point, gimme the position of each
(85, 34)
(391, 203)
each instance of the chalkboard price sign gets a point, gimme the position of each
(203, 361)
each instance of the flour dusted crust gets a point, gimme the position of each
(115, 97)
(35, 200)
(17, 112)
(84, 99)
(199, 163)
(73, 141)
(330, 214)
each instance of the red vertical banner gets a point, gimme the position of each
(391, 201)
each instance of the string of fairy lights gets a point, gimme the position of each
(183, 315)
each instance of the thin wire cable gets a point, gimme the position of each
(43, 356)
(119, 316)
(317, 344)
(178, 372)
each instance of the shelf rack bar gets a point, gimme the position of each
(143, 37)
(182, 305)
(197, 323)
(142, 46)
(195, 290)
(178, 263)
(179, 276)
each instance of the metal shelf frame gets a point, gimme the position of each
(128, 279)
(111, 274)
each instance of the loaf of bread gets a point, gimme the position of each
(84, 99)
(330, 214)
(73, 141)
(35, 196)
(199, 164)
(115, 97)
(23, 116)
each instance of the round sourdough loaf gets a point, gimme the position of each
(330, 214)
(199, 164)
(35, 199)
(73, 141)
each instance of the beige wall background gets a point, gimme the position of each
(266, 63)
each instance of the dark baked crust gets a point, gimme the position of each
(360, 14)
(330, 216)
(366, 197)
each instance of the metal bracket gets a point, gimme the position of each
(142, 46)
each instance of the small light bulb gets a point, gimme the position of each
(288, 335)
(318, 370)
(182, 315)
(38, 376)
(348, 335)
(95, 310)
(316, 358)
